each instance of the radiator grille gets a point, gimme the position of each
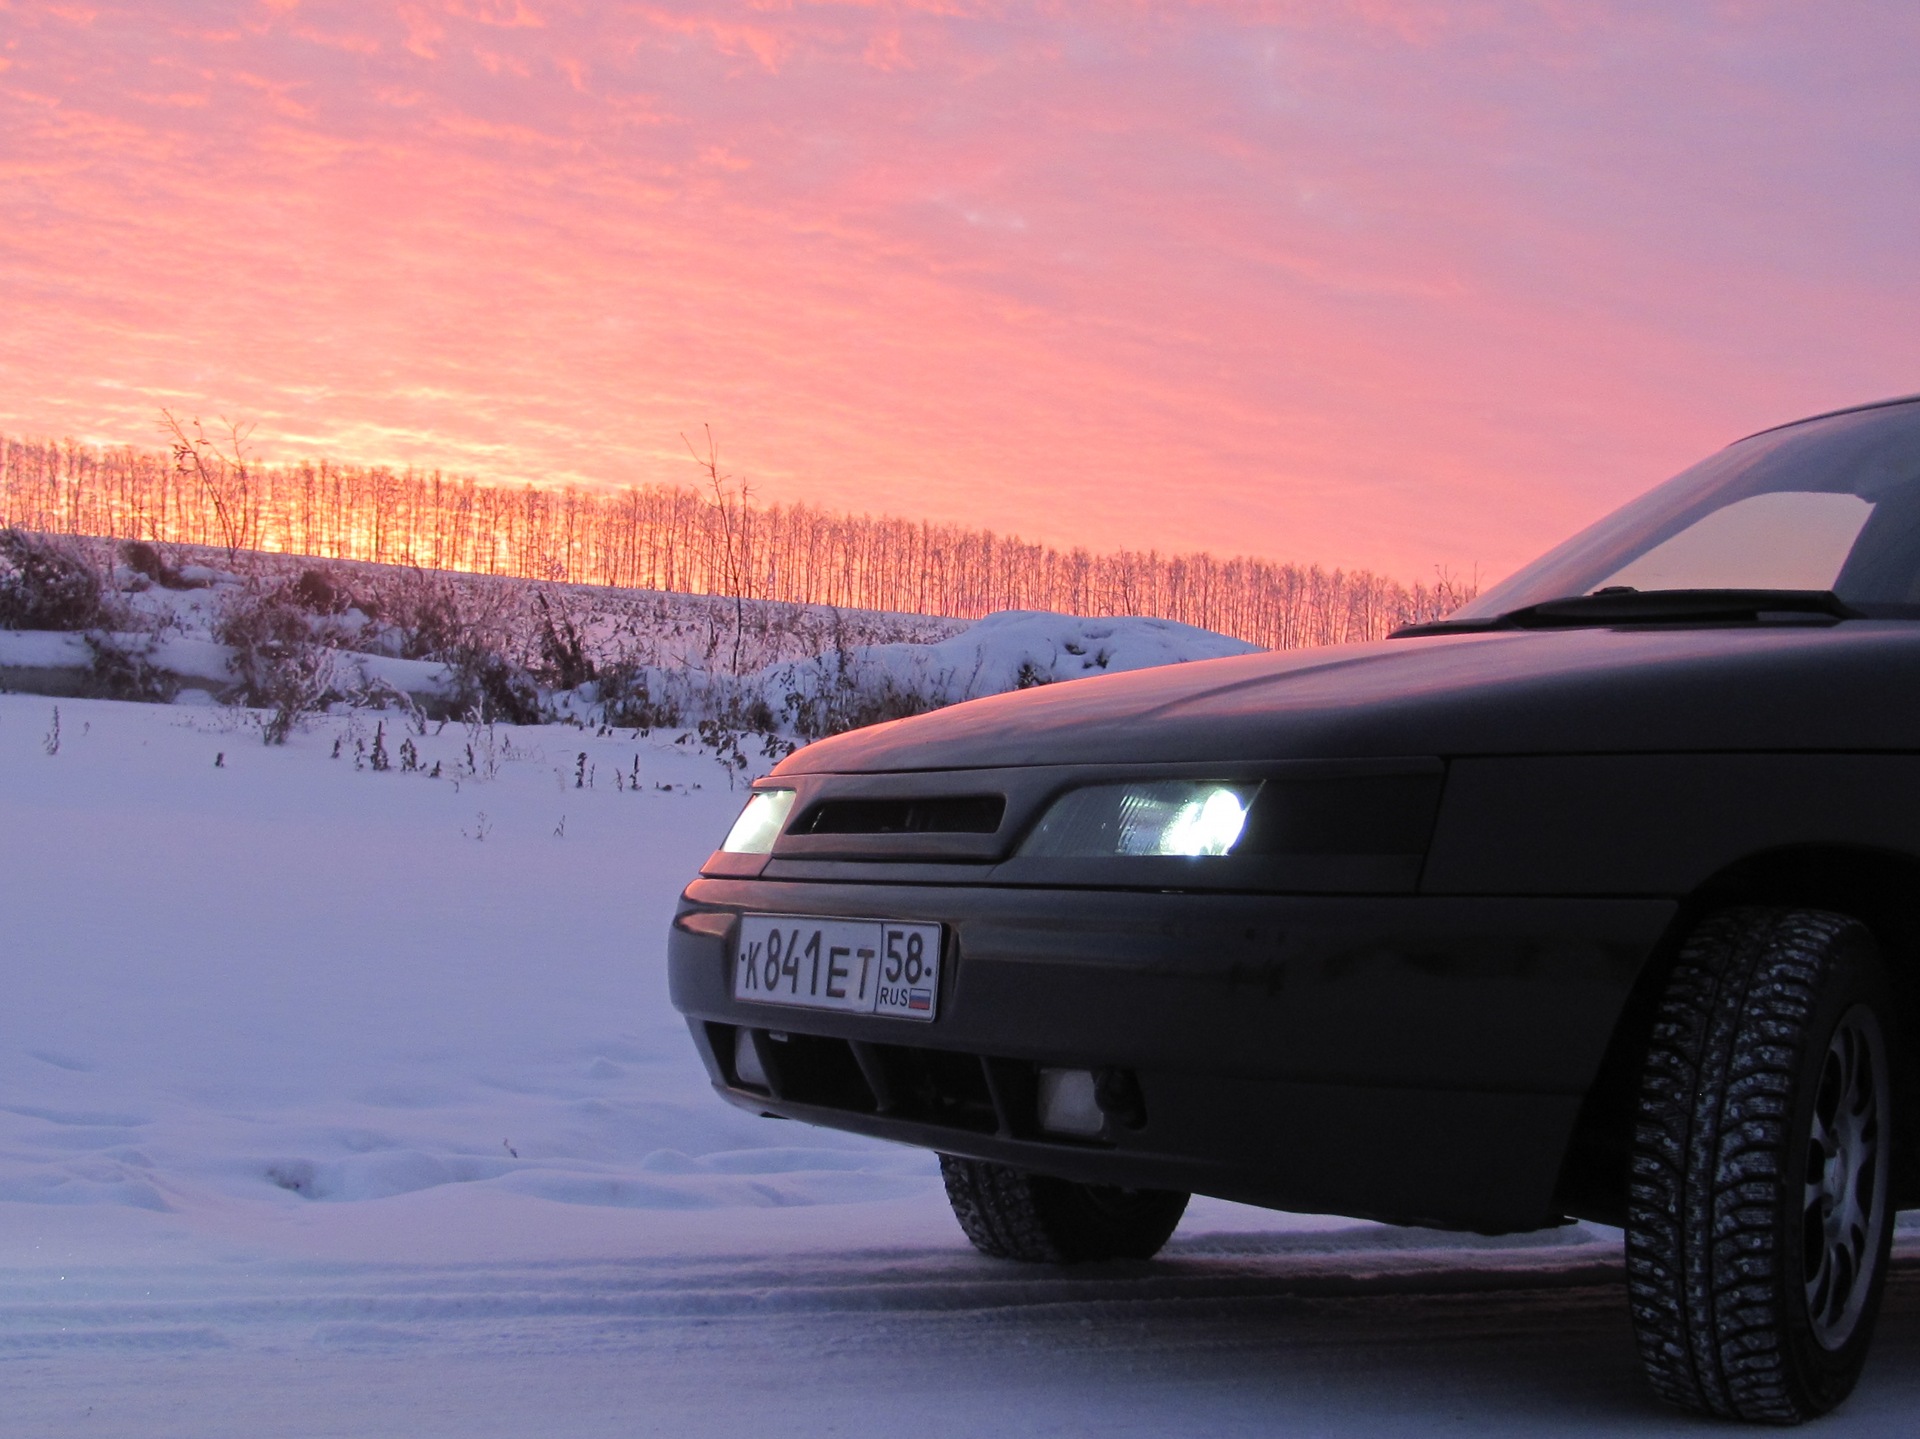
(955, 814)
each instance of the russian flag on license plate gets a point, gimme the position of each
(920, 999)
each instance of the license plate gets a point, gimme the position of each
(854, 966)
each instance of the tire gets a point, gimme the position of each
(1758, 1213)
(1010, 1214)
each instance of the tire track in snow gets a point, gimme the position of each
(537, 1304)
(1222, 1346)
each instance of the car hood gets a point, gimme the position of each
(1849, 686)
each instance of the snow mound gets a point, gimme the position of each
(1019, 649)
(845, 688)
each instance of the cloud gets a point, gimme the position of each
(1383, 284)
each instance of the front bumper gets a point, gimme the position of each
(1414, 1059)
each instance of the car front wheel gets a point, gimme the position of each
(1013, 1214)
(1759, 1218)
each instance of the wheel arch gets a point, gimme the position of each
(1879, 887)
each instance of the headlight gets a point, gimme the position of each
(759, 823)
(1166, 817)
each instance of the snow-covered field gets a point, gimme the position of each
(336, 1101)
(377, 635)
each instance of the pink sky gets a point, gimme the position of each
(1399, 285)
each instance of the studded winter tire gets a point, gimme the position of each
(1012, 1214)
(1758, 1209)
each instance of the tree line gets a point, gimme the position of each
(672, 537)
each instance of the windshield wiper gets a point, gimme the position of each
(1623, 606)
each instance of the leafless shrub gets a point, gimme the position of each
(562, 658)
(835, 695)
(320, 593)
(144, 558)
(262, 625)
(737, 719)
(487, 749)
(466, 628)
(123, 669)
(370, 692)
(636, 696)
(46, 584)
(299, 684)
(878, 704)
(833, 692)
(279, 664)
(436, 616)
(428, 610)
(486, 682)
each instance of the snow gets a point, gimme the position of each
(345, 1101)
(1016, 649)
(43, 649)
(944, 663)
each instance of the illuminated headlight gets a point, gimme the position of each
(1163, 817)
(759, 823)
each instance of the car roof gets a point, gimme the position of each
(1829, 414)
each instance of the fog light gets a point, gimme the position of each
(1069, 1103)
(747, 1069)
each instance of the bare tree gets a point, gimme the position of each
(731, 500)
(708, 540)
(223, 474)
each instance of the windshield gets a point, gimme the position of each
(1828, 504)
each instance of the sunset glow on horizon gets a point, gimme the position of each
(1401, 286)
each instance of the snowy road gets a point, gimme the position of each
(337, 1101)
(1227, 1335)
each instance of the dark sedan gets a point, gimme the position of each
(1599, 899)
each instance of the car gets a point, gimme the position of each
(1598, 899)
